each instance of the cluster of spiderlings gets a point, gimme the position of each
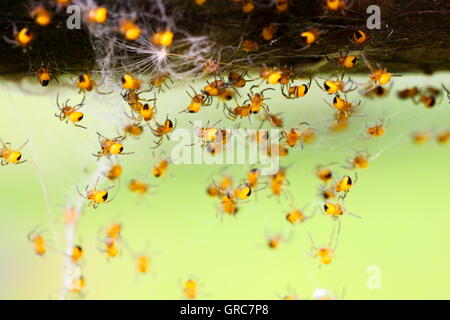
(143, 56)
(230, 195)
(428, 97)
(421, 137)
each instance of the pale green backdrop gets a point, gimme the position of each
(403, 198)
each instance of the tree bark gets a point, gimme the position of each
(414, 34)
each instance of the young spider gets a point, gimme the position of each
(269, 31)
(359, 160)
(274, 242)
(293, 135)
(344, 184)
(109, 146)
(408, 93)
(276, 150)
(253, 177)
(97, 15)
(310, 36)
(443, 137)
(259, 137)
(297, 216)
(228, 205)
(375, 130)
(77, 285)
(114, 172)
(143, 263)
(377, 91)
(270, 76)
(339, 6)
(133, 129)
(338, 103)
(335, 210)
(161, 168)
(338, 85)
(282, 5)
(345, 61)
(130, 30)
(327, 193)
(224, 185)
(70, 113)
(214, 148)
(146, 112)
(162, 130)
(429, 97)
(39, 244)
(360, 37)
(190, 288)
(85, 83)
(211, 67)
(129, 82)
(237, 80)
(278, 182)
(44, 76)
(294, 92)
(249, 45)
(134, 100)
(158, 81)
(226, 95)
(242, 191)
(248, 6)
(274, 120)
(77, 254)
(308, 135)
(162, 38)
(41, 16)
(212, 190)
(215, 88)
(208, 133)
(325, 254)
(139, 187)
(421, 137)
(324, 173)
(339, 124)
(114, 231)
(8, 155)
(62, 3)
(198, 101)
(95, 196)
(378, 75)
(345, 109)
(257, 100)
(287, 75)
(239, 111)
(222, 190)
(22, 38)
(111, 248)
(246, 188)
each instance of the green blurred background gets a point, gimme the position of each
(403, 198)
